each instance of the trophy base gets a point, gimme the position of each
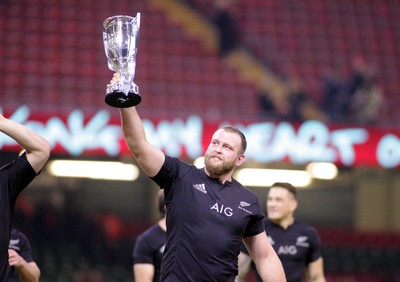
(118, 99)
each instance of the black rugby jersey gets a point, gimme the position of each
(296, 247)
(14, 177)
(149, 248)
(206, 221)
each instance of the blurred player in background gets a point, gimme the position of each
(149, 248)
(296, 243)
(20, 259)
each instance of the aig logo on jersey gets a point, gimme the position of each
(292, 249)
(287, 250)
(221, 209)
(284, 249)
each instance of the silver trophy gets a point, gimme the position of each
(121, 37)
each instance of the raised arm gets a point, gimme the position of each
(149, 157)
(36, 147)
(269, 267)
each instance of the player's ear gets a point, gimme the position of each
(240, 159)
(293, 204)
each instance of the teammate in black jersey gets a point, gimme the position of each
(208, 212)
(149, 248)
(15, 176)
(296, 243)
(20, 259)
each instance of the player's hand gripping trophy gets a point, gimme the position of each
(121, 37)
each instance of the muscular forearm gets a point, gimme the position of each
(133, 130)
(149, 157)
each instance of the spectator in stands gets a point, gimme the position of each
(274, 103)
(366, 95)
(367, 99)
(228, 32)
(297, 99)
(20, 258)
(267, 105)
(358, 74)
(336, 98)
(291, 104)
(149, 248)
(15, 176)
(296, 243)
(357, 96)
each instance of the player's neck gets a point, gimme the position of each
(222, 178)
(286, 222)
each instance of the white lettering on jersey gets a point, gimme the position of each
(287, 250)
(222, 209)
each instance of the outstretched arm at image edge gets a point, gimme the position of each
(268, 264)
(37, 148)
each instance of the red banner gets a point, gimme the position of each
(310, 141)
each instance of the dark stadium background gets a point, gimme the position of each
(53, 61)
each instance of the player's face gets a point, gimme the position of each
(280, 204)
(222, 155)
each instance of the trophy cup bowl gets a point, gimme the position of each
(120, 38)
